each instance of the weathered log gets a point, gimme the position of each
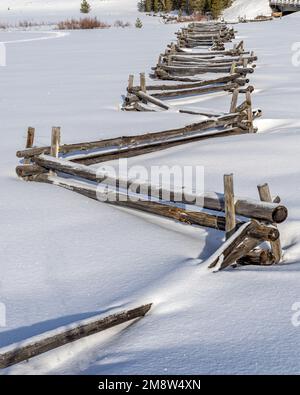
(130, 99)
(114, 197)
(152, 99)
(257, 257)
(195, 70)
(212, 201)
(191, 63)
(155, 146)
(50, 340)
(24, 171)
(243, 249)
(231, 52)
(212, 59)
(138, 106)
(125, 141)
(199, 84)
(195, 91)
(244, 240)
(204, 113)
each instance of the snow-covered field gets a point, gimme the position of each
(64, 257)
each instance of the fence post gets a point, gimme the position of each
(55, 141)
(265, 196)
(234, 101)
(143, 82)
(29, 142)
(249, 112)
(229, 205)
(130, 82)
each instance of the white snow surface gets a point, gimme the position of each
(65, 258)
(247, 9)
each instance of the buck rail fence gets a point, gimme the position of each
(197, 64)
(247, 223)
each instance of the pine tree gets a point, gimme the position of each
(168, 5)
(148, 6)
(216, 8)
(156, 5)
(187, 6)
(138, 23)
(142, 5)
(85, 7)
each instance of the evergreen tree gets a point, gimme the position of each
(148, 5)
(156, 5)
(216, 8)
(187, 6)
(138, 23)
(142, 6)
(85, 7)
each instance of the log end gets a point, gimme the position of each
(24, 171)
(280, 214)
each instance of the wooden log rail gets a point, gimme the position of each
(154, 146)
(194, 70)
(260, 231)
(125, 142)
(266, 211)
(38, 345)
(164, 87)
(241, 245)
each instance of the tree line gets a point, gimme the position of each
(187, 6)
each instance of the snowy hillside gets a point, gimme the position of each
(247, 8)
(65, 258)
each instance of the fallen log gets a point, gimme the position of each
(50, 340)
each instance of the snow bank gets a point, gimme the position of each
(247, 8)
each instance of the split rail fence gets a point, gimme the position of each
(199, 63)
